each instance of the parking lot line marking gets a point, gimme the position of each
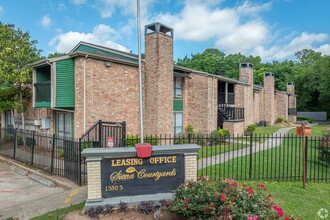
(74, 192)
(67, 200)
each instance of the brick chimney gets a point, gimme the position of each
(158, 88)
(246, 75)
(290, 88)
(246, 72)
(269, 98)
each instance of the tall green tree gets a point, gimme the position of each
(17, 50)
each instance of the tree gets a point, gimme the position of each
(310, 72)
(56, 54)
(17, 50)
(210, 61)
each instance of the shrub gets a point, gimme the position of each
(89, 144)
(250, 129)
(225, 199)
(324, 150)
(326, 133)
(131, 140)
(224, 133)
(8, 138)
(19, 140)
(190, 138)
(29, 141)
(180, 139)
(279, 120)
(61, 153)
(189, 129)
(310, 120)
(219, 136)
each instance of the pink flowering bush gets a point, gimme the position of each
(226, 199)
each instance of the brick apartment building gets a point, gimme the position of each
(91, 83)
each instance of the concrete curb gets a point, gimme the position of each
(19, 170)
(41, 180)
(44, 178)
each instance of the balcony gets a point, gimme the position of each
(292, 111)
(42, 93)
(230, 113)
(230, 98)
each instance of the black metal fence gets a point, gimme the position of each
(221, 156)
(55, 155)
(254, 157)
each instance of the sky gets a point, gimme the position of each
(273, 30)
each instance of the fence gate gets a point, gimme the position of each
(97, 136)
(71, 160)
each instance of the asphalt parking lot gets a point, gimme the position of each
(23, 198)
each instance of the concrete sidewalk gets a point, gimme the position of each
(22, 197)
(268, 144)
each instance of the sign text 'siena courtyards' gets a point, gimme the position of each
(136, 176)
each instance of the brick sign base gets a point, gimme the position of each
(118, 175)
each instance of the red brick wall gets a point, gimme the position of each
(256, 109)
(159, 84)
(236, 128)
(200, 105)
(269, 100)
(111, 94)
(281, 103)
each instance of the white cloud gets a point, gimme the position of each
(232, 29)
(204, 2)
(324, 49)
(201, 22)
(244, 38)
(46, 21)
(78, 2)
(102, 35)
(247, 8)
(303, 41)
(1, 10)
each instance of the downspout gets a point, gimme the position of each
(85, 92)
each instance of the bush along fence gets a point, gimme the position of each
(254, 157)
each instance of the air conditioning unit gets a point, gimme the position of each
(45, 123)
(37, 123)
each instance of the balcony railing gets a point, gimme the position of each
(231, 113)
(292, 111)
(42, 90)
(230, 98)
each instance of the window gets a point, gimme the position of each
(178, 122)
(64, 124)
(178, 87)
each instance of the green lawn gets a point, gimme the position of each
(297, 201)
(279, 163)
(60, 213)
(208, 151)
(316, 130)
(261, 134)
(267, 130)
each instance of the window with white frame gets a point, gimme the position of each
(178, 87)
(178, 122)
(64, 124)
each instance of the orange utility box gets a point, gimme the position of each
(308, 131)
